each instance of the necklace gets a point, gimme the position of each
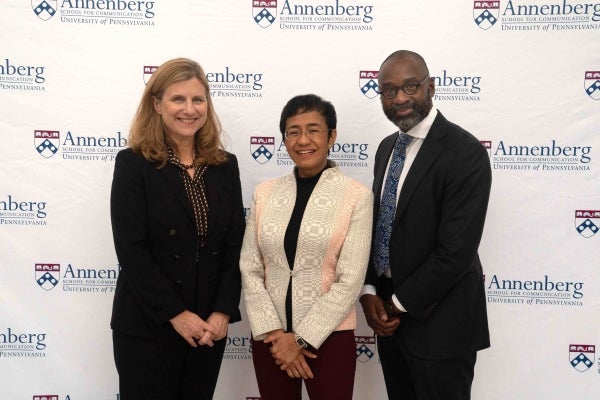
(186, 166)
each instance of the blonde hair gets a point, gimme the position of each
(147, 135)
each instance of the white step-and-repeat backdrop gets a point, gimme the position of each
(521, 75)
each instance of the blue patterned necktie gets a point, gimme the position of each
(387, 207)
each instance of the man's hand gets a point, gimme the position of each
(377, 317)
(191, 327)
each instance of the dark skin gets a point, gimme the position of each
(405, 111)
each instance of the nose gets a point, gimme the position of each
(303, 138)
(188, 107)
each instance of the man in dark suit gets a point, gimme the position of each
(424, 292)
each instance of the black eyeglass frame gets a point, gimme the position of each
(389, 92)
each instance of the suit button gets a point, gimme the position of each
(210, 279)
(178, 282)
(172, 232)
(214, 253)
(176, 257)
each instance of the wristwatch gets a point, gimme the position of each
(301, 342)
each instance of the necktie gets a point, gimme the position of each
(387, 207)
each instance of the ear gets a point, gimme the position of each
(431, 87)
(157, 105)
(332, 137)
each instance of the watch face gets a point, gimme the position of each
(300, 341)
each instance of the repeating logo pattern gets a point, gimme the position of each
(365, 348)
(46, 142)
(581, 356)
(485, 13)
(264, 12)
(45, 9)
(262, 148)
(47, 275)
(367, 82)
(587, 222)
(148, 71)
(592, 84)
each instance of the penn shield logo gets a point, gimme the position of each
(581, 356)
(587, 222)
(592, 84)
(367, 81)
(148, 71)
(485, 13)
(46, 142)
(264, 12)
(487, 145)
(44, 9)
(365, 348)
(47, 275)
(262, 148)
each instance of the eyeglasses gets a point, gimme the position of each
(294, 134)
(410, 88)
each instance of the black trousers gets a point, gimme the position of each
(166, 369)
(411, 378)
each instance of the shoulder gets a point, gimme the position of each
(336, 176)
(459, 137)
(129, 158)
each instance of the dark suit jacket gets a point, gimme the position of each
(436, 272)
(163, 270)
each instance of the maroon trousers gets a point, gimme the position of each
(333, 371)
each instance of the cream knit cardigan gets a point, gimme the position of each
(331, 257)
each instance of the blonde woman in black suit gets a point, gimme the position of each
(178, 222)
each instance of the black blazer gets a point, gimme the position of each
(163, 272)
(436, 272)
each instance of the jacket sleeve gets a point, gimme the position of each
(228, 296)
(261, 311)
(330, 309)
(140, 274)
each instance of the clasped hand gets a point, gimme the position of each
(196, 331)
(288, 355)
(377, 317)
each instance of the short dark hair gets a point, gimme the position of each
(306, 103)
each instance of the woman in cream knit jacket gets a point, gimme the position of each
(303, 262)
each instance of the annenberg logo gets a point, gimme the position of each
(16, 211)
(78, 147)
(582, 356)
(226, 83)
(456, 87)
(367, 82)
(21, 77)
(592, 84)
(550, 156)
(295, 15)
(531, 15)
(587, 222)
(238, 348)
(97, 12)
(543, 291)
(22, 344)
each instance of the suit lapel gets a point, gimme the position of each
(387, 146)
(171, 174)
(212, 185)
(429, 151)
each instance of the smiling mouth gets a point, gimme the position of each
(305, 152)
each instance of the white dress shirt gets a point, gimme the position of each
(418, 133)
